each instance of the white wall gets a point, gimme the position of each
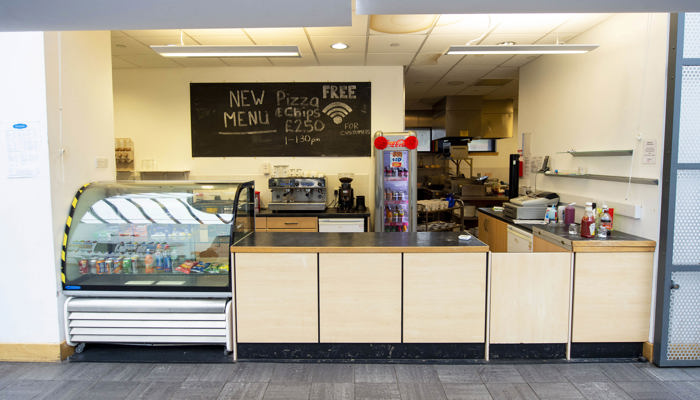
(152, 107)
(80, 120)
(598, 101)
(50, 72)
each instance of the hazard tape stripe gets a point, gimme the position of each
(66, 231)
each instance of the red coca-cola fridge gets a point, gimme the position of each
(395, 198)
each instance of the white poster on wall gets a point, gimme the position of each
(649, 152)
(22, 142)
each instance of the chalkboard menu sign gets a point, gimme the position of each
(280, 119)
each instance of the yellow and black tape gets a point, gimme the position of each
(66, 231)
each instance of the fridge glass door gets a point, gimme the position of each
(396, 171)
(154, 236)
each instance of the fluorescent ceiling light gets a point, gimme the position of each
(227, 51)
(524, 49)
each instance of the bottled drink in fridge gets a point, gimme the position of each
(148, 262)
(158, 258)
(167, 259)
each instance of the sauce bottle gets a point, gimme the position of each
(588, 222)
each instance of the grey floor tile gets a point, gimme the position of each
(127, 372)
(684, 390)
(198, 390)
(654, 390)
(375, 373)
(416, 373)
(377, 391)
(541, 373)
(211, 372)
(289, 372)
(11, 370)
(106, 390)
(458, 373)
(169, 373)
(332, 391)
(421, 391)
(253, 372)
(27, 389)
(692, 372)
(602, 391)
(499, 373)
(556, 391)
(466, 391)
(67, 390)
(43, 371)
(243, 391)
(287, 391)
(668, 374)
(153, 390)
(582, 373)
(511, 391)
(333, 373)
(622, 372)
(87, 371)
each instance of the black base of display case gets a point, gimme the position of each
(360, 351)
(606, 350)
(551, 351)
(98, 352)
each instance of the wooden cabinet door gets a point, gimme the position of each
(444, 299)
(260, 224)
(612, 297)
(495, 233)
(530, 297)
(483, 229)
(276, 297)
(360, 297)
(540, 245)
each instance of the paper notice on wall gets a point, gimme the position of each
(22, 143)
(649, 152)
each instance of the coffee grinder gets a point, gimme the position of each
(346, 197)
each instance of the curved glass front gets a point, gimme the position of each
(155, 236)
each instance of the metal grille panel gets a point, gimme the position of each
(687, 218)
(689, 126)
(684, 323)
(691, 48)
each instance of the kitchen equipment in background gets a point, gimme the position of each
(360, 204)
(346, 198)
(341, 224)
(290, 194)
(519, 241)
(530, 207)
(513, 175)
(396, 192)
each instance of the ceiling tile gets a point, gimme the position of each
(401, 24)
(160, 37)
(341, 59)
(507, 91)
(214, 32)
(389, 58)
(199, 62)
(519, 60)
(462, 24)
(118, 63)
(149, 61)
(440, 43)
(117, 34)
(394, 43)
(358, 28)
(224, 40)
(247, 62)
(517, 38)
(582, 22)
(305, 61)
(477, 91)
(278, 35)
(529, 23)
(125, 45)
(502, 73)
(468, 77)
(484, 59)
(553, 38)
(322, 44)
(428, 70)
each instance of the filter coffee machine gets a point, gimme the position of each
(346, 197)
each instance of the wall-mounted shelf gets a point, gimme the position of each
(612, 178)
(600, 153)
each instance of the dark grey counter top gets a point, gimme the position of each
(366, 242)
(328, 213)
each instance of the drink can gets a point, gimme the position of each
(109, 265)
(135, 264)
(117, 266)
(100, 266)
(83, 266)
(126, 265)
(92, 265)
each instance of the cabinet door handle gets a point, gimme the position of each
(291, 223)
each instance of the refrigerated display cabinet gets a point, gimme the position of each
(149, 262)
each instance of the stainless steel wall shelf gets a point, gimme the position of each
(612, 178)
(599, 153)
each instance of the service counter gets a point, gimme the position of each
(433, 296)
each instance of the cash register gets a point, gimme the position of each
(530, 207)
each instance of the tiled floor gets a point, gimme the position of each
(289, 381)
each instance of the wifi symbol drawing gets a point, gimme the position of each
(337, 111)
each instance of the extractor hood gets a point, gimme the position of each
(472, 117)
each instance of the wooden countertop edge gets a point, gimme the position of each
(616, 249)
(368, 249)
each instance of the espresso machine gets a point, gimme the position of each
(346, 198)
(297, 194)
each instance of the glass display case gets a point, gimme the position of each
(154, 236)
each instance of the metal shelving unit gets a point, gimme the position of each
(432, 222)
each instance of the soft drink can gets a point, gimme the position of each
(109, 265)
(126, 265)
(92, 265)
(100, 266)
(135, 264)
(117, 266)
(83, 266)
